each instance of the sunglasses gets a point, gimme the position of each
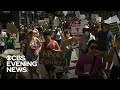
(94, 47)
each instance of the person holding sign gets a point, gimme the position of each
(66, 46)
(50, 44)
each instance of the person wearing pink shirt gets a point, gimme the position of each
(89, 66)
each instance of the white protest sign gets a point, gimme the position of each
(82, 16)
(108, 21)
(98, 19)
(115, 19)
(77, 13)
(56, 21)
(65, 12)
(41, 22)
(93, 16)
(47, 20)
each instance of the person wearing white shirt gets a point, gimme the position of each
(3, 37)
(58, 35)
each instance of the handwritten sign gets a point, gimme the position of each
(52, 58)
(76, 29)
(114, 28)
(12, 28)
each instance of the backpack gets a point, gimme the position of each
(10, 42)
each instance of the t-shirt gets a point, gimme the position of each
(2, 36)
(104, 40)
(58, 35)
(85, 62)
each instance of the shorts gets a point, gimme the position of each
(31, 57)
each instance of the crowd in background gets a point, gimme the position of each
(97, 47)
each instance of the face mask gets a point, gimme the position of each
(68, 35)
(87, 33)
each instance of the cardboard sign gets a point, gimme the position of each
(47, 20)
(114, 28)
(52, 58)
(77, 29)
(11, 28)
(41, 22)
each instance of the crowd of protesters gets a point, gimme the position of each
(99, 49)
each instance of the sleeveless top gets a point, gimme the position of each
(50, 45)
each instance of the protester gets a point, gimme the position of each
(33, 48)
(66, 46)
(89, 66)
(3, 37)
(50, 44)
(105, 42)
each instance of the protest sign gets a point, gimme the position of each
(12, 28)
(77, 13)
(52, 58)
(115, 19)
(65, 12)
(93, 16)
(82, 16)
(98, 19)
(75, 30)
(114, 28)
(41, 22)
(56, 21)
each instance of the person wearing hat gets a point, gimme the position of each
(105, 42)
(33, 47)
(114, 56)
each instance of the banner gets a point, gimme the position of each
(52, 58)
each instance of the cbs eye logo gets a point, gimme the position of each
(8, 57)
